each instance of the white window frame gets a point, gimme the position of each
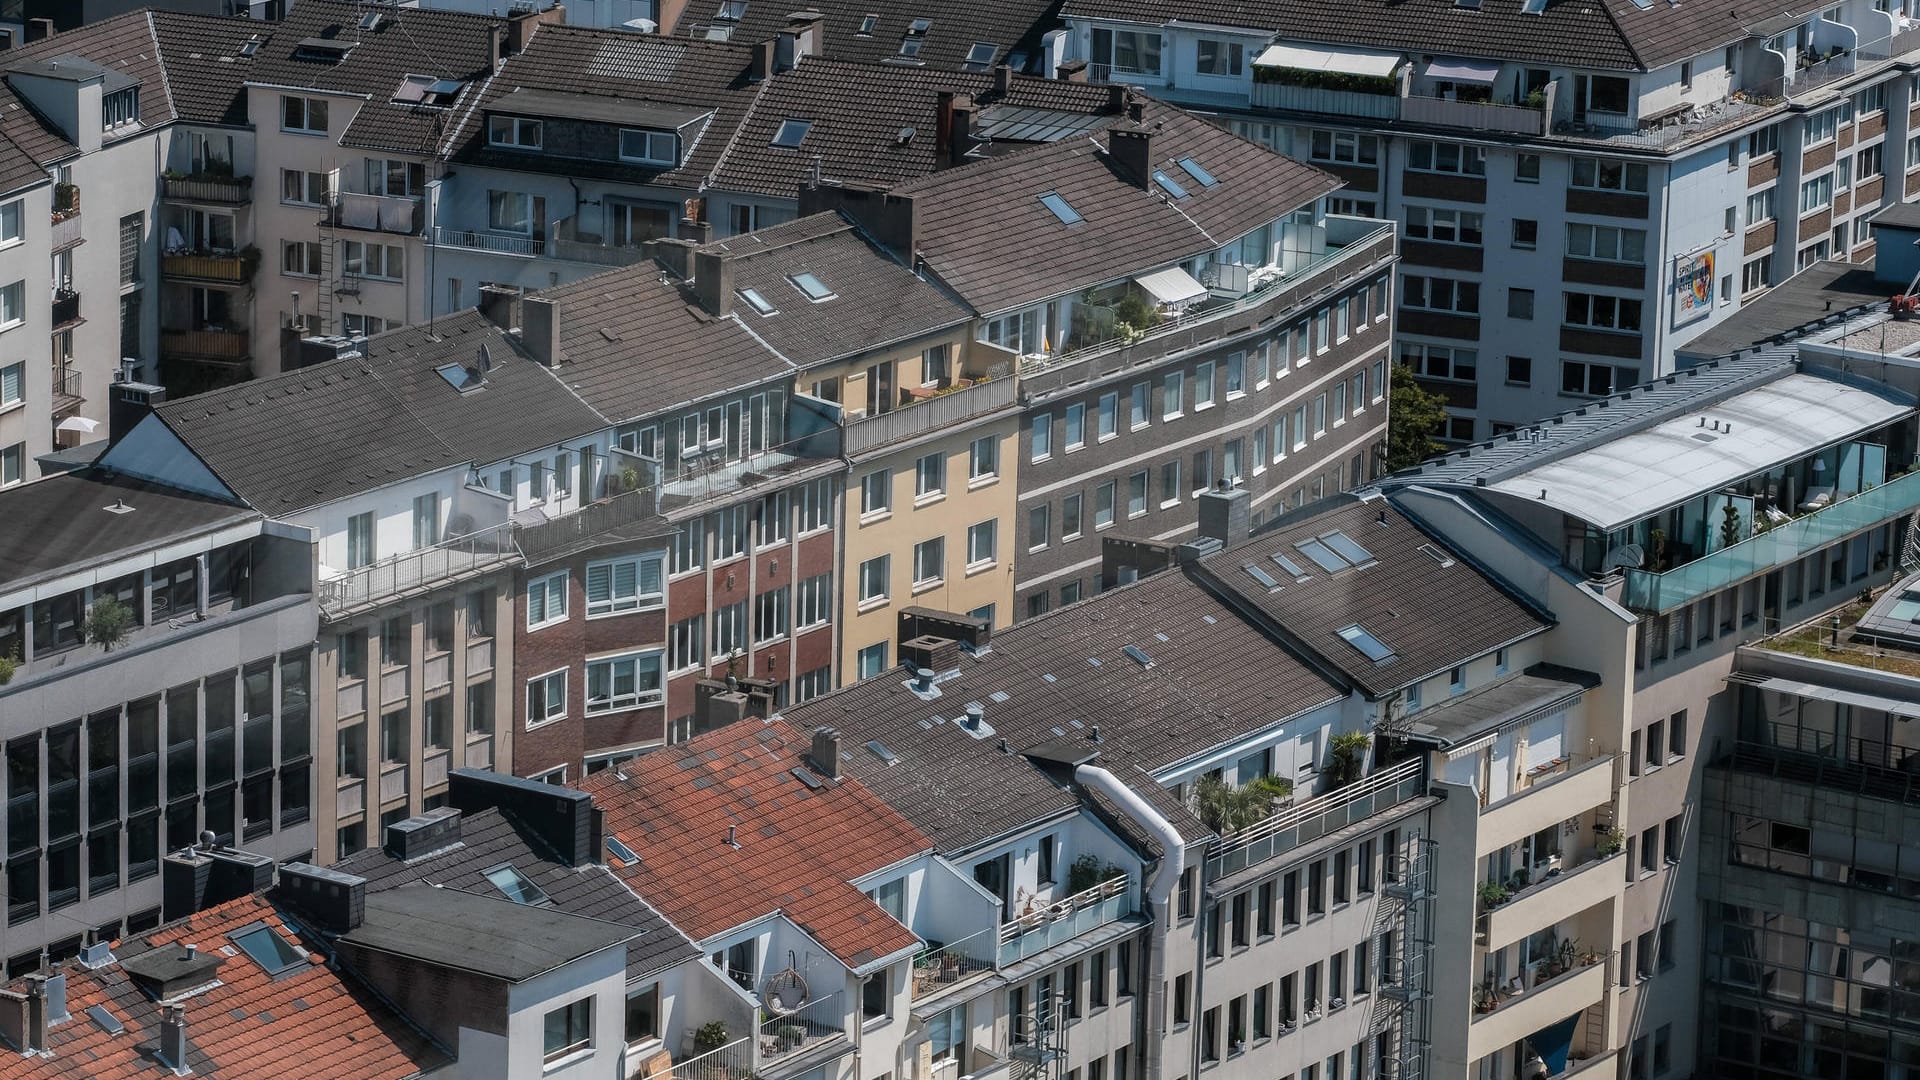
(618, 602)
(983, 553)
(547, 680)
(652, 138)
(875, 582)
(637, 697)
(551, 614)
(305, 126)
(512, 132)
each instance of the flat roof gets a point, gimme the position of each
(65, 522)
(601, 107)
(468, 932)
(1821, 291)
(1641, 473)
(1536, 690)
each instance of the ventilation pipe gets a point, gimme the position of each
(1173, 864)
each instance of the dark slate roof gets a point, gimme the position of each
(984, 232)
(634, 343)
(1434, 613)
(1489, 708)
(491, 837)
(1819, 292)
(205, 71)
(617, 69)
(1014, 26)
(62, 522)
(321, 433)
(876, 300)
(408, 41)
(1214, 677)
(468, 932)
(858, 114)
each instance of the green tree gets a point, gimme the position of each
(108, 623)
(1224, 808)
(1414, 416)
(1347, 757)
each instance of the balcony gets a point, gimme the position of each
(207, 188)
(400, 215)
(417, 571)
(67, 392)
(802, 1035)
(1350, 103)
(220, 267)
(1475, 115)
(1777, 547)
(1551, 899)
(944, 409)
(570, 243)
(1303, 823)
(491, 243)
(1407, 107)
(227, 347)
(1518, 1016)
(66, 308)
(555, 537)
(66, 231)
(1066, 919)
(941, 967)
(1558, 796)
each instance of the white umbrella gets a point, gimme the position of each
(80, 424)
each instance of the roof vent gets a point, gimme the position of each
(119, 507)
(733, 837)
(976, 715)
(96, 954)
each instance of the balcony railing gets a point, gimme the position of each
(230, 266)
(492, 243)
(1476, 115)
(67, 390)
(1314, 99)
(936, 969)
(66, 307)
(1647, 591)
(417, 570)
(1064, 920)
(1308, 821)
(209, 189)
(66, 231)
(734, 1061)
(569, 243)
(942, 410)
(559, 535)
(377, 213)
(213, 346)
(807, 1027)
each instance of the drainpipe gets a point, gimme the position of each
(1158, 893)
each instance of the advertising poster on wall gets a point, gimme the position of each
(1693, 284)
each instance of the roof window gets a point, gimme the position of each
(462, 378)
(758, 302)
(815, 289)
(370, 21)
(272, 952)
(731, 11)
(1200, 175)
(515, 885)
(426, 90)
(792, 132)
(1057, 203)
(910, 47)
(1258, 573)
(331, 50)
(980, 56)
(1169, 185)
(1322, 556)
(251, 45)
(867, 25)
(1281, 559)
(1345, 547)
(1371, 647)
(919, 27)
(621, 851)
(1138, 655)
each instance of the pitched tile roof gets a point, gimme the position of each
(1432, 608)
(311, 1020)
(984, 232)
(796, 844)
(1210, 677)
(876, 301)
(955, 26)
(324, 432)
(491, 837)
(407, 41)
(63, 522)
(858, 113)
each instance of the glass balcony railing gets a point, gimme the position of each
(1064, 920)
(1647, 591)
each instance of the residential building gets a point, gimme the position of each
(925, 34)
(1582, 190)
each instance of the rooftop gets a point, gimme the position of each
(1538, 689)
(489, 936)
(307, 1019)
(1815, 297)
(64, 522)
(735, 825)
(944, 32)
(1881, 636)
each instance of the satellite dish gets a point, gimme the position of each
(1627, 555)
(785, 992)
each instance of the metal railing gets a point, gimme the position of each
(1314, 99)
(734, 1061)
(556, 536)
(67, 386)
(231, 346)
(419, 569)
(1476, 115)
(918, 417)
(219, 189)
(949, 965)
(230, 266)
(66, 231)
(1308, 821)
(810, 1025)
(1064, 920)
(566, 241)
(66, 307)
(492, 243)
(1647, 591)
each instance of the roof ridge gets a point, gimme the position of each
(734, 138)
(1626, 39)
(160, 63)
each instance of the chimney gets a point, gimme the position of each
(762, 62)
(498, 34)
(435, 830)
(1073, 71)
(713, 281)
(825, 757)
(1131, 146)
(960, 128)
(673, 253)
(1002, 80)
(13, 1020)
(809, 31)
(36, 1033)
(561, 817)
(331, 901)
(173, 1038)
(129, 403)
(540, 329)
(497, 304)
(184, 879)
(1225, 514)
(522, 25)
(943, 120)
(1117, 97)
(785, 52)
(887, 218)
(39, 28)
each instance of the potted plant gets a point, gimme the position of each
(1492, 895)
(108, 623)
(710, 1036)
(9, 664)
(1521, 879)
(1610, 842)
(790, 1036)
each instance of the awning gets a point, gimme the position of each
(1171, 286)
(1329, 58)
(83, 425)
(1473, 71)
(1909, 710)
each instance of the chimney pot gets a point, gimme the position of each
(976, 715)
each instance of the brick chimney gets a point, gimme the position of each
(713, 281)
(1131, 146)
(825, 755)
(1002, 80)
(888, 218)
(961, 116)
(540, 329)
(1074, 71)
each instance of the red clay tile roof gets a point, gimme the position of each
(798, 846)
(310, 1021)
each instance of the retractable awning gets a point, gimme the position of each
(1171, 286)
(1329, 58)
(1452, 70)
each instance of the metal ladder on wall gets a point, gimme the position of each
(1910, 552)
(1044, 1053)
(324, 292)
(1402, 1009)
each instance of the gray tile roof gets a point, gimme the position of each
(469, 932)
(984, 232)
(321, 433)
(1012, 26)
(1214, 677)
(63, 522)
(876, 300)
(1433, 612)
(491, 837)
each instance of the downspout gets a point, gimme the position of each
(1158, 892)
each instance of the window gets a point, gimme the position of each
(1607, 94)
(1581, 378)
(1172, 394)
(687, 643)
(1816, 194)
(1061, 208)
(1526, 233)
(929, 562)
(1040, 437)
(1526, 169)
(1137, 494)
(872, 660)
(623, 682)
(1441, 294)
(874, 574)
(1454, 226)
(1603, 312)
(1757, 274)
(815, 602)
(875, 1002)
(300, 258)
(303, 115)
(1236, 374)
(1076, 423)
(1441, 361)
(1760, 207)
(1519, 303)
(569, 1030)
(1218, 58)
(983, 459)
(1109, 416)
(386, 262)
(622, 585)
(729, 629)
(1103, 497)
(1070, 517)
(10, 221)
(133, 230)
(930, 475)
(396, 179)
(1423, 156)
(1202, 471)
(876, 492)
(12, 384)
(515, 131)
(689, 545)
(1039, 519)
(1605, 174)
(1345, 147)
(546, 600)
(1141, 404)
(1763, 142)
(1606, 243)
(1132, 51)
(1819, 127)
(1203, 385)
(662, 147)
(546, 697)
(982, 540)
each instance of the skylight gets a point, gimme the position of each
(1057, 203)
(1371, 647)
(1138, 655)
(370, 21)
(919, 27)
(621, 851)
(1288, 564)
(251, 45)
(1344, 546)
(867, 25)
(1169, 185)
(104, 1017)
(757, 302)
(267, 948)
(1322, 556)
(910, 47)
(515, 885)
(791, 133)
(1200, 176)
(1259, 574)
(815, 289)
(463, 379)
(426, 90)
(980, 56)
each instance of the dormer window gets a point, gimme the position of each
(731, 11)
(515, 131)
(119, 108)
(328, 50)
(649, 147)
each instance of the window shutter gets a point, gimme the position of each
(10, 389)
(625, 579)
(599, 584)
(650, 571)
(537, 603)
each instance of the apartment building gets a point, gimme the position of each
(158, 683)
(1587, 188)
(926, 34)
